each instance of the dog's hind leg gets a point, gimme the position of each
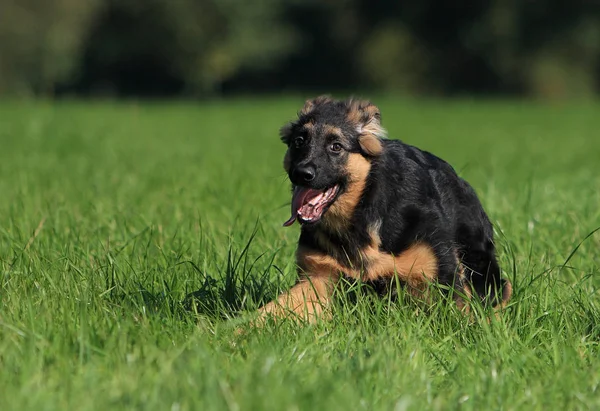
(483, 272)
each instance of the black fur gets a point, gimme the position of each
(411, 194)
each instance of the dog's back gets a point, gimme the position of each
(422, 198)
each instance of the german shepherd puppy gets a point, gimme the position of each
(379, 210)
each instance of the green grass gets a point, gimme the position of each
(110, 214)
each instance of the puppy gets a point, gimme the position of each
(380, 211)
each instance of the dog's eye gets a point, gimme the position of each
(299, 141)
(336, 147)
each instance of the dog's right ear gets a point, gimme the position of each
(366, 117)
(285, 132)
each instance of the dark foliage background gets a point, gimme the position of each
(198, 48)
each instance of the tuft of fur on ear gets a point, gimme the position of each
(367, 119)
(285, 132)
(309, 105)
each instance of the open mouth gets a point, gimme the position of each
(308, 204)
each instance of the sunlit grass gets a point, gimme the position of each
(113, 215)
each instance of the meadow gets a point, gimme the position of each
(113, 214)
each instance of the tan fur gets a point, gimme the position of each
(355, 112)
(371, 252)
(360, 111)
(309, 105)
(333, 130)
(465, 294)
(323, 99)
(307, 300)
(309, 126)
(339, 214)
(370, 144)
(506, 295)
(416, 266)
(366, 118)
(317, 263)
(371, 110)
(463, 302)
(374, 128)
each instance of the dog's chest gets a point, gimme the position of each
(365, 260)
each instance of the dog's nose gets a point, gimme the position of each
(304, 174)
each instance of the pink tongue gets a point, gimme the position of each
(299, 198)
(290, 221)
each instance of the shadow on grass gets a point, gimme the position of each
(243, 284)
(216, 299)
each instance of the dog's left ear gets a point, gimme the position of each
(367, 118)
(285, 132)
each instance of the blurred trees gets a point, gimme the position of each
(548, 48)
(41, 42)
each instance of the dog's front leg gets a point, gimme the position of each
(307, 300)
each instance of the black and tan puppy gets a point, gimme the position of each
(376, 209)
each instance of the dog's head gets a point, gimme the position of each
(330, 146)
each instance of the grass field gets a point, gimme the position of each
(110, 214)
